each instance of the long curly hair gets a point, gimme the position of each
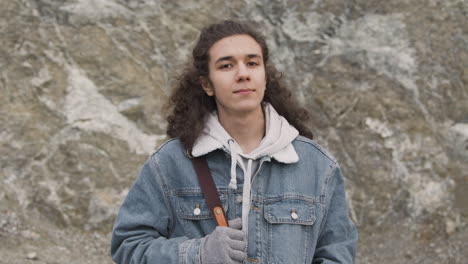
(189, 104)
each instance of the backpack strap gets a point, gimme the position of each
(208, 188)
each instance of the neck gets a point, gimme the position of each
(247, 129)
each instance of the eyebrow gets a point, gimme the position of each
(250, 56)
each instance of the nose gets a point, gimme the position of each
(243, 73)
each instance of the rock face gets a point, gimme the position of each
(83, 82)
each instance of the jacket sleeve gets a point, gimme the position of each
(142, 227)
(337, 242)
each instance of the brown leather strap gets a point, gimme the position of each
(209, 190)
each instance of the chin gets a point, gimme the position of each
(251, 107)
(241, 106)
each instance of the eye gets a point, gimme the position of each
(252, 63)
(225, 66)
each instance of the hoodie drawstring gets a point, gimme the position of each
(247, 183)
(234, 155)
(246, 197)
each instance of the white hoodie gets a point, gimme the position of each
(277, 144)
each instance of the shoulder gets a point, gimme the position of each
(172, 149)
(311, 150)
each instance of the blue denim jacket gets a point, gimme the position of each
(298, 214)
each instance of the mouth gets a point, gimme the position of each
(244, 91)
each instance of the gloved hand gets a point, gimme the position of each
(225, 245)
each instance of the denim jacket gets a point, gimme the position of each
(298, 211)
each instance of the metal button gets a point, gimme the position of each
(197, 210)
(294, 215)
(218, 211)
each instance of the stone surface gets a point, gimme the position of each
(82, 85)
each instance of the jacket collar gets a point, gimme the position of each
(276, 144)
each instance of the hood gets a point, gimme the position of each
(279, 135)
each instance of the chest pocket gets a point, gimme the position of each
(289, 222)
(195, 214)
(187, 206)
(290, 211)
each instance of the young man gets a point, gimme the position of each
(282, 193)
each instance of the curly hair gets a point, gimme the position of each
(189, 104)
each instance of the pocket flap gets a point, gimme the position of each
(188, 203)
(290, 211)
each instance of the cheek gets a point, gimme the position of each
(264, 76)
(221, 79)
(264, 79)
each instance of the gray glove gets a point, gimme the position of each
(225, 245)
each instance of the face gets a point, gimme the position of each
(236, 75)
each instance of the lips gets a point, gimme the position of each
(244, 91)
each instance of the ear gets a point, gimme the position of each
(207, 86)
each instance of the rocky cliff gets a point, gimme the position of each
(82, 84)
